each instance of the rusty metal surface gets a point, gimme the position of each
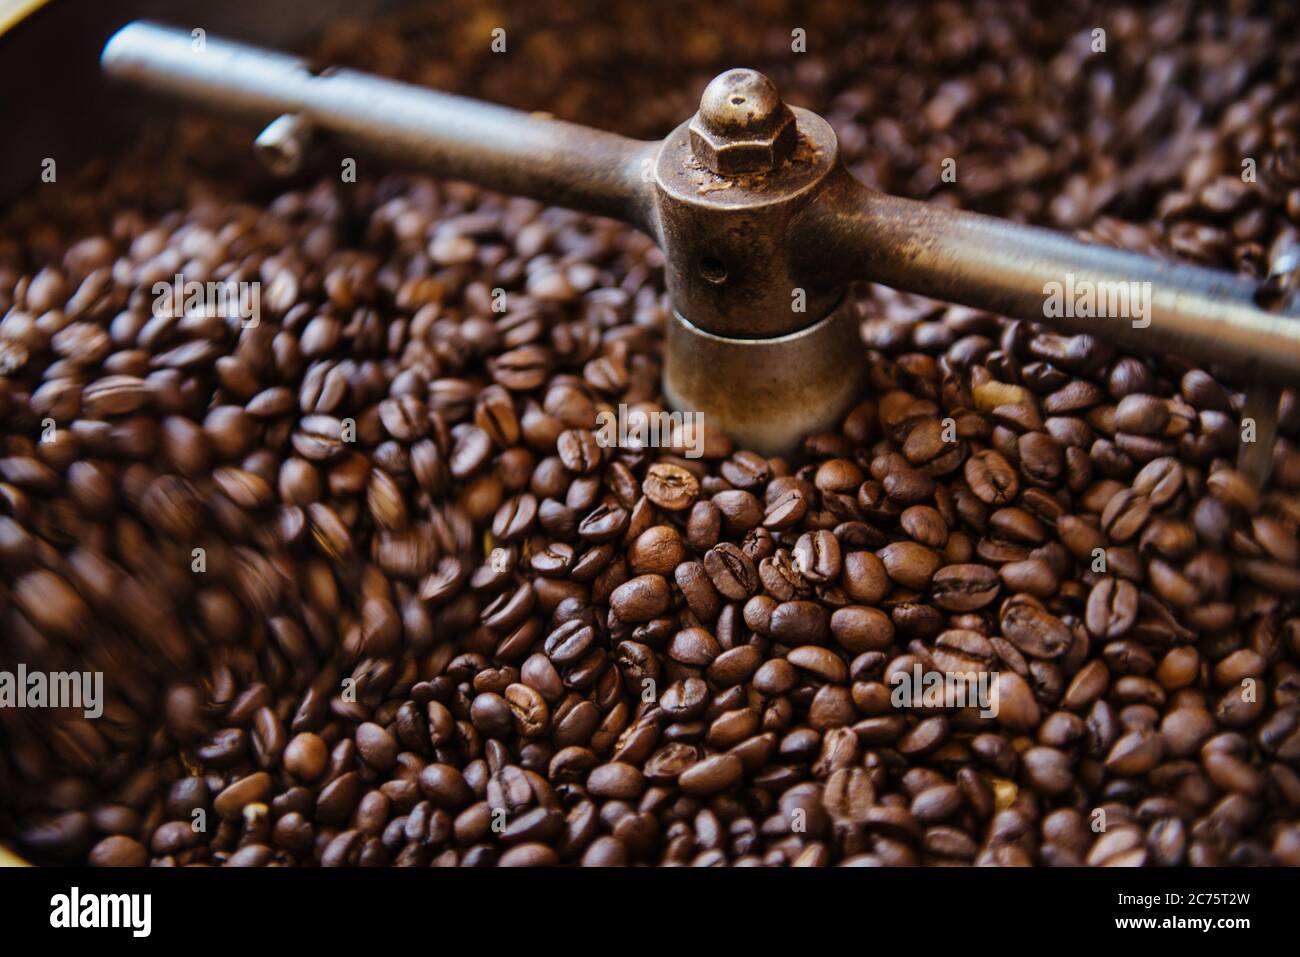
(742, 125)
(730, 265)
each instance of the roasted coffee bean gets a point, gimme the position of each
(514, 519)
(740, 510)
(786, 510)
(658, 550)
(849, 795)
(991, 477)
(1125, 515)
(860, 629)
(964, 588)
(702, 597)
(799, 622)
(604, 523)
(820, 663)
(570, 642)
(579, 451)
(118, 851)
(239, 794)
(529, 710)
(1033, 630)
(711, 775)
(671, 487)
(909, 564)
(641, 599)
(865, 577)
(817, 556)
(1112, 608)
(695, 647)
(731, 571)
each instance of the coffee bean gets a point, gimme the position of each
(865, 577)
(694, 646)
(119, 851)
(445, 786)
(641, 599)
(604, 523)
(991, 477)
(238, 794)
(616, 780)
(1125, 515)
(740, 511)
(114, 395)
(860, 629)
(579, 451)
(817, 556)
(570, 642)
(1048, 771)
(731, 571)
(1017, 709)
(702, 598)
(670, 487)
(964, 588)
(376, 746)
(1033, 630)
(711, 775)
(514, 519)
(909, 564)
(799, 622)
(658, 551)
(821, 663)
(786, 511)
(1112, 608)
(529, 710)
(1135, 753)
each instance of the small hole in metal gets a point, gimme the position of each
(713, 270)
(316, 68)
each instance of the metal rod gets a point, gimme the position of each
(1208, 316)
(734, 248)
(451, 136)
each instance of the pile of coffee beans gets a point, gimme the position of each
(366, 588)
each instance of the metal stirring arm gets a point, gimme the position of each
(1205, 315)
(524, 154)
(744, 215)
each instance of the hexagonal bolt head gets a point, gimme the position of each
(742, 125)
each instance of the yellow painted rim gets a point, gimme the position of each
(11, 12)
(9, 859)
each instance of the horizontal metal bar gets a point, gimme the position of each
(450, 136)
(1205, 315)
(846, 232)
